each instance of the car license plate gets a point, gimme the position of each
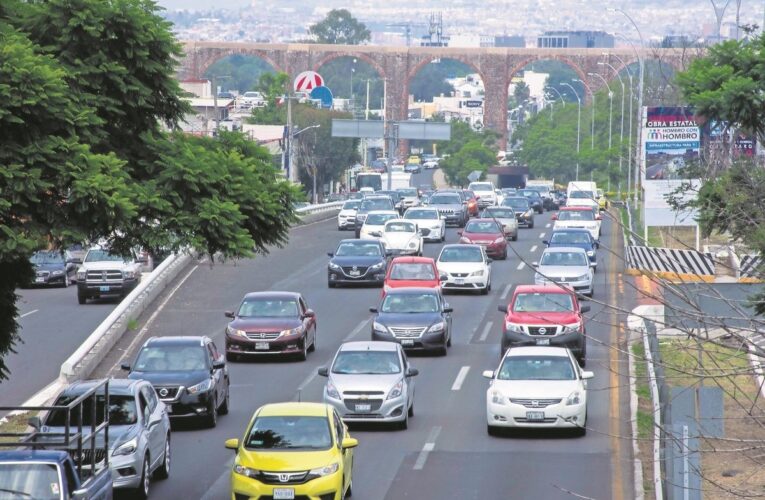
(543, 341)
(355, 273)
(262, 346)
(284, 494)
(534, 416)
(39, 280)
(104, 288)
(459, 281)
(407, 342)
(363, 408)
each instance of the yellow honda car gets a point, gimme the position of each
(293, 450)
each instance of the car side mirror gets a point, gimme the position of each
(125, 367)
(74, 261)
(489, 260)
(488, 374)
(330, 254)
(323, 371)
(546, 242)
(232, 444)
(598, 217)
(81, 494)
(34, 422)
(373, 309)
(412, 372)
(587, 375)
(592, 264)
(535, 264)
(309, 313)
(502, 309)
(448, 309)
(229, 314)
(218, 365)
(443, 277)
(554, 217)
(584, 309)
(349, 442)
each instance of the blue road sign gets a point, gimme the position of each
(324, 95)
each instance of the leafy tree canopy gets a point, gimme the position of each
(339, 27)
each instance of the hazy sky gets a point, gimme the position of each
(203, 4)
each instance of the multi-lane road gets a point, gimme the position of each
(446, 452)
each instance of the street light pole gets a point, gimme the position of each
(621, 127)
(629, 133)
(610, 120)
(578, 124)
(592, 126)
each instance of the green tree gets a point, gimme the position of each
(273, 86)
(473, 156)
(339, 27)
(431, 82)
(244, 72)
(521, 92)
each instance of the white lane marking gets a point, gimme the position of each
(356, 330)
(486, 330)
(307, 381)
(521, 266)
(541, 235)
(28, 313)
(138, 338)
(506, 291)
(457, 385)
(221, 484)
(548, 224)
(534, 248)
(429, 446)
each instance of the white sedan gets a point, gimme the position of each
(465, 267)
(537, 387)
(430, 219)
(375, 223)
(402, 237)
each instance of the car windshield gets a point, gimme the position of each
(461, 254)
(47, 258)
(101, 256)
(351, 205)
(581, 195)
(577, 238)
(509, 191)
(445, 199)
(122, 411)
(379, 219)
(536, 368)
(530, 193)
(268, 308)
(410, 303)
(498, 213)
(481, 186)
(408, 192)
(366, 363)
(170, 358)
(400, 227)
(289, 433)
(543, 302)
(539, 189)
(376, 204)
(563, 259)
(358, 249)
(413, 271)
(421, 214)
(29, 480)
(516, 203)
(576, 215)
(482, 227)
(468, 193)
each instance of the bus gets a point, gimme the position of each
(369, 179)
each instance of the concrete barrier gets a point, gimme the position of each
(318, 212)
(670, 263)
(750, 269)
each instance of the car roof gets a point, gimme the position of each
(564, 249)
(400, 221)
(293, 409)
(536, 350)
(570, 230)
(272, 295)
(461, 245)
(541, 289)
(409, 259)
(577, 208)
(183, 340)
(412, 290)
(356, 240)
(117, 386)
(382, 212)
(369, 345)
(32, 455)
(485, 219)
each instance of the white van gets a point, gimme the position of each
(582, 194)
(484, 190)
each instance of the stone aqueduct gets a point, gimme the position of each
(397, 65)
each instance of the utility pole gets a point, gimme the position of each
(610, 119)
(292, 171)
(578, 123)
(366, 117)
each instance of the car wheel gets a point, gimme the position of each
(232, 357)
(504, 254)
(82, 298)
(404, 424)
(582, 358)
(449, 339)
(142, 492)
(224, 406)
(304, 353)
(330, 284)
(531, 225)
(313, 344)
(163, 472)
(492, 430)
(515, 236)
(211, 420)
(349, 491)
(443, 235)
(411, 410)
(67, 282)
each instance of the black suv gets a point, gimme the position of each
(188, 373)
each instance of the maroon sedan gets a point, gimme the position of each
(271, 323)
(488, 234)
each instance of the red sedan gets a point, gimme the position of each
(488, 234)
(404, 272)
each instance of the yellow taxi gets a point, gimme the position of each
(293, 450)
(602, 200)
(414, 159)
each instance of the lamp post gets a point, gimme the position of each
(610, 121)
(629, 133)
(640, 95)
(621, 127)
(578, 124)
(592, 126)
(551, 103)
(293, 169)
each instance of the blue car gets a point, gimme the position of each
(580, 238)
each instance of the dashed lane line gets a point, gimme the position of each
(486, 330)
(356, 330)
(521, 266)
(506, 291)
(28, 313)
(541, 235)
(548, 224)
(429, 446)
(457, 385)
(534, 248)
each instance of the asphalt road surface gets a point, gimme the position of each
(446, 452)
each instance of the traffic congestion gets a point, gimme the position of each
(424, 270)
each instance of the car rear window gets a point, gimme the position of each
(576, 215)
(543, 302)
(412, 271)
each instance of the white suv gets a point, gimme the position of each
(104, 273)
(466, 267)
(485, 192)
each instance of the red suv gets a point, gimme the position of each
(545, 315)
(487, 233)
(412, 272)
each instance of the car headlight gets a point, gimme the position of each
(82, 275)
(583, 277)
(590, 253)
(335, 267)
(513, 327)
(397, 390)
(292, 331)
(126, 448)
(538, 278)
(235, 332)
(129, 275)
(379, 265)
(438, 327)
(499, 240)
(574, 398)
(412, 244)
(571, 328)
(200, 387)
(498, 398)
(332, 391)
(57, 272)
(529, 213)
(378, 327)
(324, 471)
(477, 273)
(246, 471)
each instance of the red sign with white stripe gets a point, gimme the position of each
(307, 81)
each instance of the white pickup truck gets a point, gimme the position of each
(103, 273)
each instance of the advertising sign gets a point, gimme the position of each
(671, 139)
(307, 81)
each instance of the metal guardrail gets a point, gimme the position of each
(319, 207)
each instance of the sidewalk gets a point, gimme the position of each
(439, 179)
